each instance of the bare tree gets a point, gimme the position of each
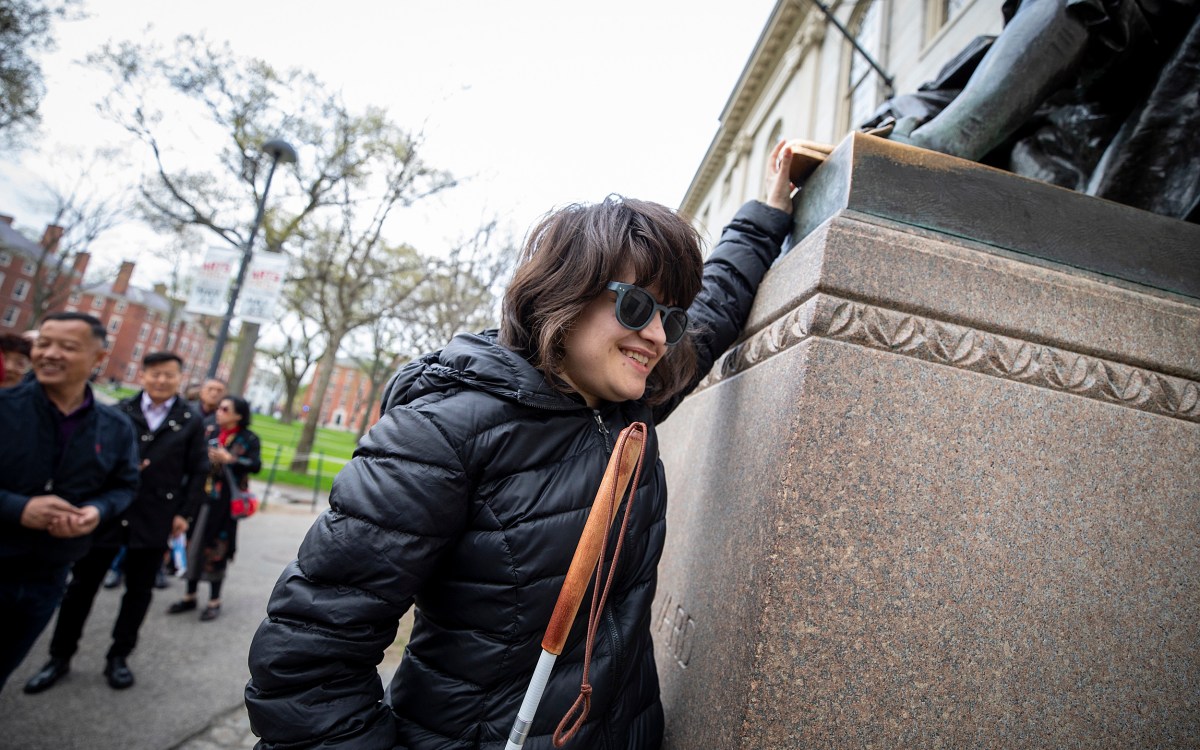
(79, 216)
(294, 357)
(462, 292)
(347, 280)
(385, 355)
(182, 255)
(348, 159)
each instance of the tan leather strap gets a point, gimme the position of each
(625, 458)
(624, 467)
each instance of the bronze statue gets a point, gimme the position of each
(1100, 96)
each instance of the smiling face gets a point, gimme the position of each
(604, 360)
(65, 353)
(161, 380)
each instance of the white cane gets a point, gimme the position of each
(621, 466)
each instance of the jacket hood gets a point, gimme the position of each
(478, 361)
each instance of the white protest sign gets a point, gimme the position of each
(262, 287)
(210, 287)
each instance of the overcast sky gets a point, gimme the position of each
(541, 102)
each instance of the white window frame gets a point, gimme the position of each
(939, 14)
(114, 325)
(11, 316)
(21, 290)
(862, 79)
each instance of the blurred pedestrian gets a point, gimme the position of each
(211, 392)
(174, 463)
(15, 361)
(234, 454)
(67, 463)
(192, 391)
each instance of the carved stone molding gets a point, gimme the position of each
(812, 33)
(967, 349)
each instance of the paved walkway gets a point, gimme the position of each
(190, 674)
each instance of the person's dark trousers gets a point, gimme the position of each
(25, 609)
(140, 566)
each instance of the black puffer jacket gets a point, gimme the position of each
(467, 499)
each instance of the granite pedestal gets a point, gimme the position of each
(946, 491)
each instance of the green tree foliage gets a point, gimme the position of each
(26, 28)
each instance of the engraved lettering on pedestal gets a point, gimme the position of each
(681, 639)
(664, 615)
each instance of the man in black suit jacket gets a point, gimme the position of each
(174, 464)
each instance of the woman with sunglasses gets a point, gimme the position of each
(467, 499)
(234, 453)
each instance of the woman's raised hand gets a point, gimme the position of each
(777, 186)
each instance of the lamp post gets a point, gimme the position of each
(280, 151)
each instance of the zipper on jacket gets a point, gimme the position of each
(614, 636)
(604, 433)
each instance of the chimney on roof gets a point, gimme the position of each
(81, 264)
(51, 237)
(160, 289)
(121, 285)
(6, 219)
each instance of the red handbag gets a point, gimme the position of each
(243, 504)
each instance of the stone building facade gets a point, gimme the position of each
(804, 79)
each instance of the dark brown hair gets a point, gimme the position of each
(574, 252)
(11, 342)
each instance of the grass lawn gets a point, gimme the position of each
(331, 450)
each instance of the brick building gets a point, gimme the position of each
(32, 272)
(346, 400)
(141, 321)
(138, 320)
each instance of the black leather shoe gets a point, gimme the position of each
(183, 605)
(54, 671)
(118, 673)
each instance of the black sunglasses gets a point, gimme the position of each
(636, 308)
